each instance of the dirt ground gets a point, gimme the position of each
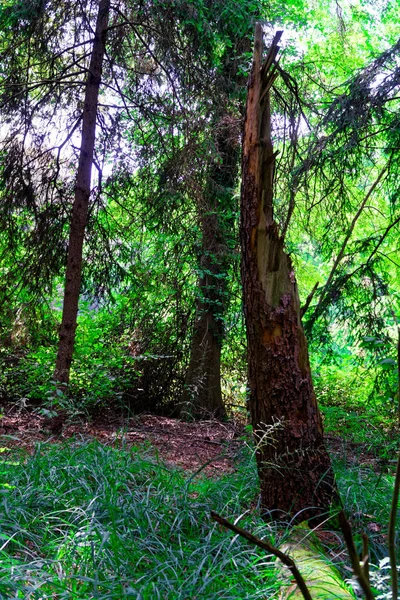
(207, 445)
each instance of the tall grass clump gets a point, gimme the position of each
(84, 520)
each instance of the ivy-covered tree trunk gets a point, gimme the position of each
(294, 467)
(202, 396)
(81, 200)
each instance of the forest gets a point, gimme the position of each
(199, 299)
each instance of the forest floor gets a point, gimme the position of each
(85, 471)
(209, 446)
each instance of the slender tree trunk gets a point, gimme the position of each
(203, 396)
(81, 199)
(294, 468)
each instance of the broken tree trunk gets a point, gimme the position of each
(294, 467)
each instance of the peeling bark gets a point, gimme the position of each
(81, 200)
(294, 467)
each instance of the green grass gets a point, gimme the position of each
(366, 493)
(364, 465)
(83, 520)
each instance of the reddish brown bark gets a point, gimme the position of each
(294, 467)
(81, 200)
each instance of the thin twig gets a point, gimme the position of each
(355, 561)
(309, 299)
(365, 556)
(392, 533)
(284, 558)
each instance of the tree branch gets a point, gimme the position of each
(349, 233)
(355, 561)
(309, 300)
(284, 558)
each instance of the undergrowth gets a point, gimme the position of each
(83, 520)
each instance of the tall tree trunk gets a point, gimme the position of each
(202, 396)
(81, 200)
(294, 467)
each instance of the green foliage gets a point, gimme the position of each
(345, 385)
(103, 371)
(356, 379)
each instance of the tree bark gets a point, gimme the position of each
(294, 467)
(202, 396)
(81, 200)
